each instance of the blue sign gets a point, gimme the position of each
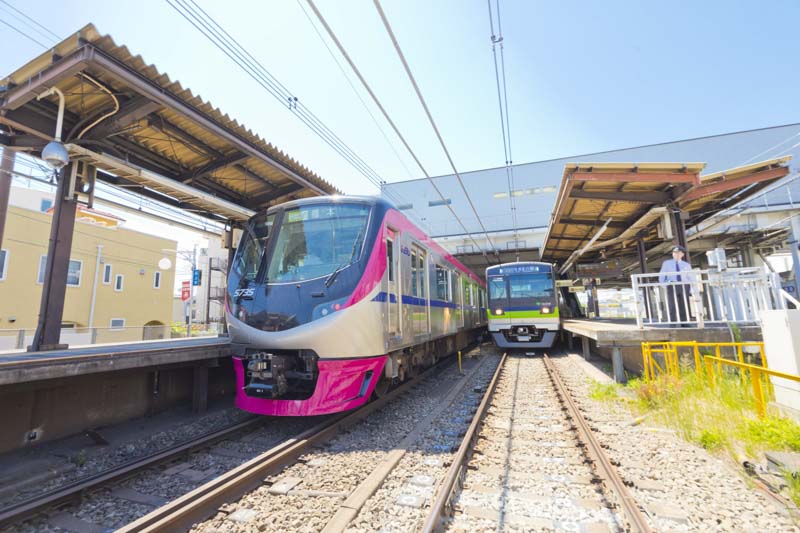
(197, 275)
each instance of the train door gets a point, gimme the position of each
(420, 305)
(458, 298)
(393, 311)
(470, 303)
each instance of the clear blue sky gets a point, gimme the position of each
(583, 76)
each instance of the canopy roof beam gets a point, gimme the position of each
(642, 197)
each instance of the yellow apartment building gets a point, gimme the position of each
(116, 291)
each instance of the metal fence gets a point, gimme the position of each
(705, 297)
(20, 339)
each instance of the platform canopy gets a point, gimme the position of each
(147, 133)
(602, 209)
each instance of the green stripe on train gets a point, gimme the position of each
(522, 314)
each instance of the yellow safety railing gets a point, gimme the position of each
(757, 378)
(671, 362)
(652, 368)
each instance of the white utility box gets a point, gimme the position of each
(781, 329)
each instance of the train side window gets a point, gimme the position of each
(422, 274)
(390, 258)
(414, 274)
(441, 283)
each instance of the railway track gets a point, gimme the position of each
(323, 479)
(531, 461)
(187, 507)
(73, 492)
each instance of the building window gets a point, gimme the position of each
(117, 323)
(73, 271)
(106, 274)
(119, 282)
(157, 279)
(45, 204)
(3, 264)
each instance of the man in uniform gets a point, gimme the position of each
(676, 273)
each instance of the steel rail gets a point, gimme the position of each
(608, 473)
(205, 500)
(73, 491)
(440, 504)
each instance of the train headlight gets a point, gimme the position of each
(323, 310)
(546, 310)
(498, 311)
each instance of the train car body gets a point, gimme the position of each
(523, 305)
(331, 297)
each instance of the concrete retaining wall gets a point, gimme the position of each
(45, 410)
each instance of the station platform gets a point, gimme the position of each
(620, 340)
(18, 366)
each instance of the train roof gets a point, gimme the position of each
(338, 198)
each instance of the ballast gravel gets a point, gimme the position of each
(682, 487)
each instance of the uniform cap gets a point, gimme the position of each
(679, 249)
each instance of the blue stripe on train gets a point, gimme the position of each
(413, 300)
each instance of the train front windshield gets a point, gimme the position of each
(315, 240)
(522, 290)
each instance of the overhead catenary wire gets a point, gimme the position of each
(388, 118)
(226, 43)
(230, 47)
(505, 123)
(353, 87)
(21, 32)
(32, 23)
(242, 58)
(413, 81)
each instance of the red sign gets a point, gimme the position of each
(186, 290)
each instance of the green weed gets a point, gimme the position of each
(603, 391)
(793, 485)
(711, 440)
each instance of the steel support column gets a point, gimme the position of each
(231, 252)
(51, 309)
(794, 242)
(586, 348)
(679, 231)
(642, 255)
(617, 365)
(594, 304)
(200, 388)
(7, 158)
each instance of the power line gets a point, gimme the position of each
(502, 101)
(51, 36)
(428, 114)
(223, 40)
(378, 103)
(353, 87)
(23, 33)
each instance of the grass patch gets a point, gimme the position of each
(793, 487)
(603, 392)
(720, 418)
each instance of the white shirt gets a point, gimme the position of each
(671, 269)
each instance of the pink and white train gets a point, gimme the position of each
(332, 299)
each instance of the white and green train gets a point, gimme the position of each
(523, 305)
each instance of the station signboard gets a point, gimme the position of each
(186, 290)
(604, 270)
(577, 288)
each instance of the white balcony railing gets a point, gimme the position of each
(705, 297)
